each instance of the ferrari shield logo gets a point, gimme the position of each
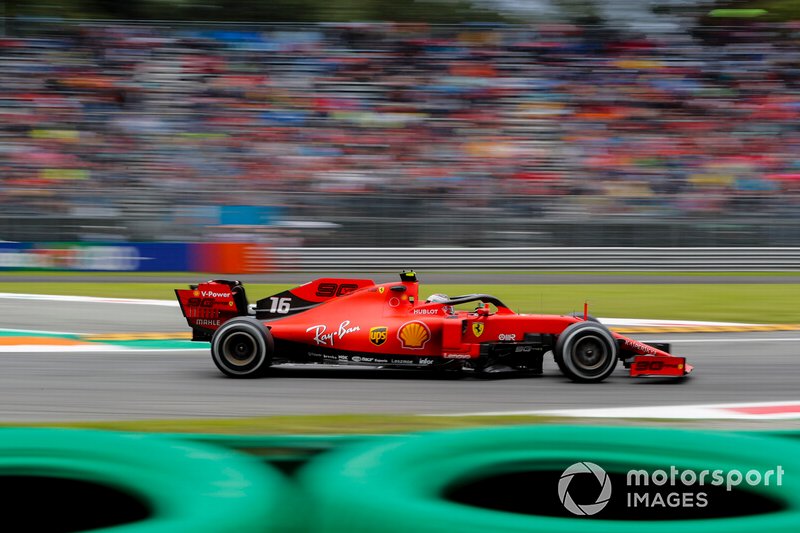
(477, 328)
(377, 336)
(381, 289)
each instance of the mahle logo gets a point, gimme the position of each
(587, 509)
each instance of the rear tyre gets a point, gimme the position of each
(586, 352)
(242, 348)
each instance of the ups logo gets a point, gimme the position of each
(378, 336)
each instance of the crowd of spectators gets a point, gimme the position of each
(548, 120)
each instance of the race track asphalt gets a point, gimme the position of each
(65, 386)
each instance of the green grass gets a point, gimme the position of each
(735, 302)
(340, 424)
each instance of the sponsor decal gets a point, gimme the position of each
(426, 311)
(507, 337)
(196, 294)
(457, 356)
(212, 294)
(325, 338)
(198, 302)
(523, 349)
(117, 258)
(426, 361)
(638, 346)
(413, 335)
(394, 302)
(329, 290)
(378, 335)
(657, 365)
(477, 328)
(206, 322)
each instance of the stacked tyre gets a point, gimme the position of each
(75, 480)
(535, 478)
(526, 479)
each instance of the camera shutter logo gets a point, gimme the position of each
(590, 508)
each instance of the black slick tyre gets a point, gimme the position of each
(586, 352)
(242, 348)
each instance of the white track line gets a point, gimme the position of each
(93, 347)
(49, 348)
(87, 299)
(40, 332)
(642, 322)
(724, 411)
(721, 411)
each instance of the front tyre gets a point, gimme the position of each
(242, 347)
(586, 352)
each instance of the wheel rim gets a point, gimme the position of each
(590, 354)
(239, 349)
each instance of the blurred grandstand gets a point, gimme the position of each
(400, 134)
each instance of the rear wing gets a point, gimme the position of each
(206, 306)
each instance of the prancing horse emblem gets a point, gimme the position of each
(477, 328)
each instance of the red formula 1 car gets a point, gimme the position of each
(356, 321)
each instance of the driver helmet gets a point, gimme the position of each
(438, 297)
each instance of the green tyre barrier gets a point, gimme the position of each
(782, 433)
(57, 480)
(526, 479)
(287, 453)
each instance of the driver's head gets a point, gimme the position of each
(438, 297)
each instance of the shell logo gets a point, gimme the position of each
(414, 335)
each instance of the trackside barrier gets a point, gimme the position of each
(77, 480)
(297, 450)
(519, 479)
(493, 479)
(285, 452)
(562, 259)
(253, 258)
